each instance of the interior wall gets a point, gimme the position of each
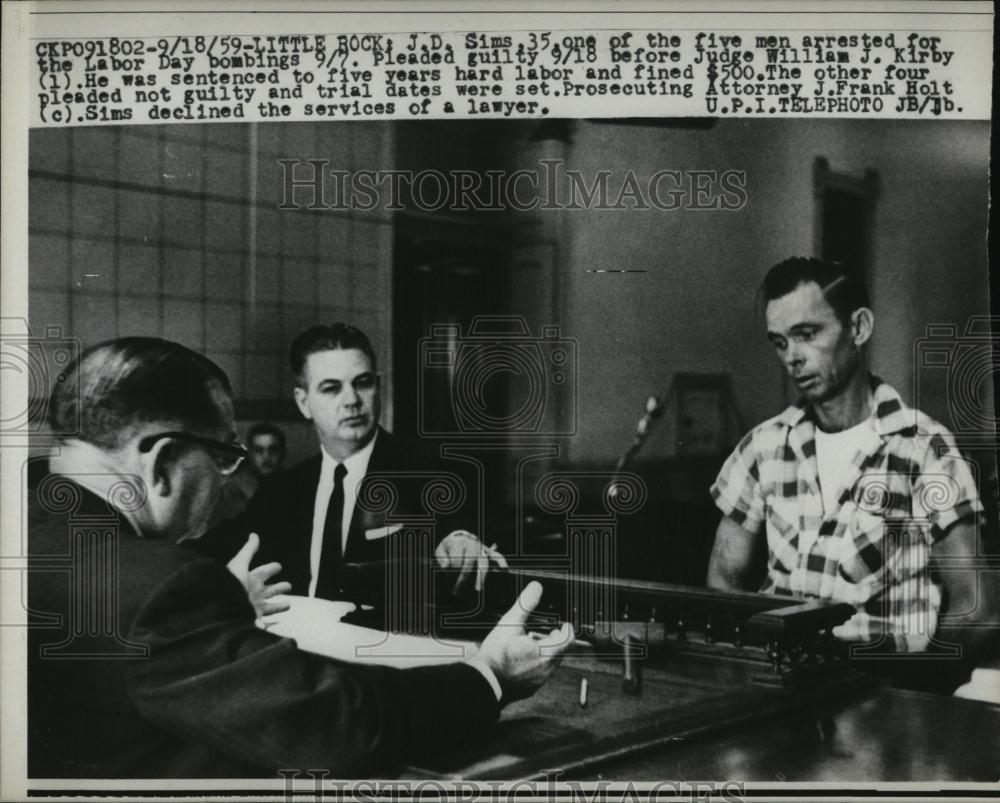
(174, 231)
(693, 306)
(163, 230)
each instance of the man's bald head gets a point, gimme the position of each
(126, 384)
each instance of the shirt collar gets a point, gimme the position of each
(356, 464)
(891, 413)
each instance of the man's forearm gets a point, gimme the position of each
(973, 621)
(975, 642)
(970, 616)
(731, 566)
(724, 578)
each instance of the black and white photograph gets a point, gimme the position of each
(651, 455)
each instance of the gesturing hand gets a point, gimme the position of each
(266, 599)
(521, 661)
(463, 550)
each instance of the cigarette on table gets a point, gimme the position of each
(492, 552)
(585, 645)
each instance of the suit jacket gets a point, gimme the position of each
(173, 679)
(281, 513)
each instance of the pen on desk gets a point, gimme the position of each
(585, 645)
(632, 679)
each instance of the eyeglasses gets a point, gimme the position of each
(227, 456)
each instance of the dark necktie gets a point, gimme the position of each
(327, 585)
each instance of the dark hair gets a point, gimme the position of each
(328, 338)
(117, 386)
(266, 429)
(842, 287)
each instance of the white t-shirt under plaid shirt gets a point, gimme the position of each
(905, 487)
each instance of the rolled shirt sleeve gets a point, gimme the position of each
(737, 489)
(945, 490)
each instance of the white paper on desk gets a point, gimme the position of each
(316, 627)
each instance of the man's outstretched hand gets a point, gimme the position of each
(266, 599)
(464, 551)
(522, 661)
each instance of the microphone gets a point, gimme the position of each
(655, 407)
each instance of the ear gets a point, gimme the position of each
(302, 402)
(862, 325)
(158, 466)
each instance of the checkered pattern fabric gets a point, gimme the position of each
(905, 487)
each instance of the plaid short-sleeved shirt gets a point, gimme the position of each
(905, 487)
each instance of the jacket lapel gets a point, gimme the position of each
(300, 506)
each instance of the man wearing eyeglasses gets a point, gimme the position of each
(144, 657)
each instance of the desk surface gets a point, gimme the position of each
(878, 735)
(695, 716)
(682, 725)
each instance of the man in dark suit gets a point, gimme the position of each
(266, 446)
(144, 658)
(314, 518)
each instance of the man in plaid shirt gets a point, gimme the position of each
(851, 492)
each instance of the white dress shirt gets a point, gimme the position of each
(357, 467)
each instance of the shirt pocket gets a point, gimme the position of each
(865, 551)
(376, 533)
